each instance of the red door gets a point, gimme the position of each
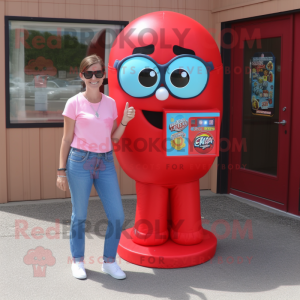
(294, 179)
(261, 110)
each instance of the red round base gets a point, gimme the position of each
(168, 255)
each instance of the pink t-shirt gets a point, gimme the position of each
(91, 133)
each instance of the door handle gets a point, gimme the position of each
(282, 122)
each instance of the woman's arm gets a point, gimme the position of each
(117, 131)
(66, 142)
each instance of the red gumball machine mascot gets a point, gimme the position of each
(168, 67)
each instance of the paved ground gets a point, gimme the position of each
(263, 262)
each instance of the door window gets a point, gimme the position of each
(261, 91)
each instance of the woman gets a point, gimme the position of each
(89, 126)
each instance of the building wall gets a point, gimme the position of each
(229, 10)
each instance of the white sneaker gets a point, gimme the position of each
(78, 270)
(113, 270)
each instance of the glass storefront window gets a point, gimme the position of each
(43, 65)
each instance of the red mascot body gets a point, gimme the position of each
(165, 62)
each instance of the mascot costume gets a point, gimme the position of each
(168, 67)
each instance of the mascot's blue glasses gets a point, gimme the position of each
(185, 76)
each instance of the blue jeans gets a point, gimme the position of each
(84, 169)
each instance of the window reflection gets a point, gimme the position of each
(44, 59)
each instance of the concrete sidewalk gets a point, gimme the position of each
(257, 257)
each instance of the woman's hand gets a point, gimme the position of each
(129, 113)
(62, 182)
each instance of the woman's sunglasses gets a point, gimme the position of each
(89, 74)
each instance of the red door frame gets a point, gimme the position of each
(294, 182)
(295, 144)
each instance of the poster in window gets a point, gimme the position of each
(262, 66)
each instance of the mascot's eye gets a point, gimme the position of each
(147, 77)
(180, 78)
(139, 77)
(186, 77)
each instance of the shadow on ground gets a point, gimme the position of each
(244, 262)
